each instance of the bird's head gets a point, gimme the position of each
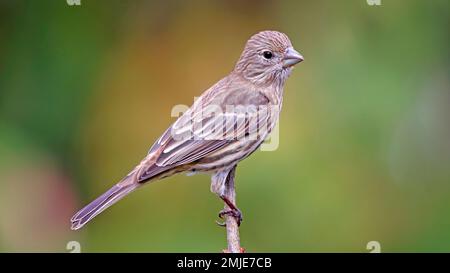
(268, 57)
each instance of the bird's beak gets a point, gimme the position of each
(291, 57)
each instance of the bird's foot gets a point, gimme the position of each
(234, 212)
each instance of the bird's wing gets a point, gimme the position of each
(194, 134)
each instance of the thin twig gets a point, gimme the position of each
(232, 227)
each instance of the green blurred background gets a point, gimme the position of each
(364, 149)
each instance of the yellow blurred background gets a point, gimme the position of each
(364, 150)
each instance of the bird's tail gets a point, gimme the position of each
(101, 203)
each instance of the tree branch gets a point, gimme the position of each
(231, 222)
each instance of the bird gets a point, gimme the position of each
(225, 125)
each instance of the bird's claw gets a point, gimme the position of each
(222, 224)
(236, 213)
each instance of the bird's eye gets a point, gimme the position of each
(267, 54)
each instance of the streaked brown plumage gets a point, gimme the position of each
(210, 136)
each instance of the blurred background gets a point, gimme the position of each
(364, 150)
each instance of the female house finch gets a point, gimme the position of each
(225, 125)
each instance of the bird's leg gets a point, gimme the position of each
(223, 185)
(232, 211)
